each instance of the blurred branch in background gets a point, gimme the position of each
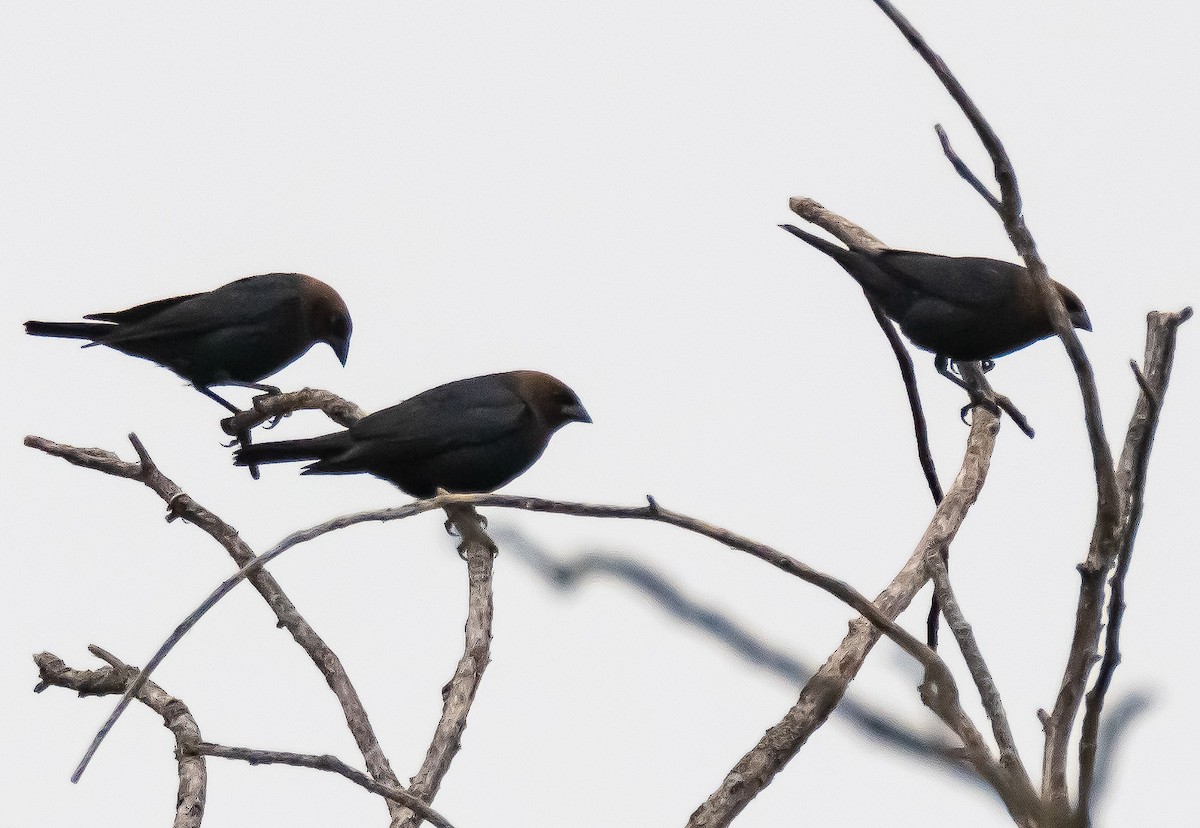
(567, 573)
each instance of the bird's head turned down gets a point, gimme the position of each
(1076, 312)
(553, 402)
(329, 317)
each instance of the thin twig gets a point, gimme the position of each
(181, 505)
(963, 170)
(479, 551)
(193, 777)
(323, 763)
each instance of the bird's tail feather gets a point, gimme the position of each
(290, 451)
(825, 246)
(68, 330)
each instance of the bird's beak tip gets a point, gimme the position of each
(577, 413)
(342, 349)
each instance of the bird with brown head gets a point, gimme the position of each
(472, 435)
(237, 334)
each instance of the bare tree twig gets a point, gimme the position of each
(180, 505)
(324, 763)
(963, 170)
(479, 551)
(823, 692)
(193, 778)
(273, 406)
(1131, 481)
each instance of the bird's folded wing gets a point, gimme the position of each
(966, 282)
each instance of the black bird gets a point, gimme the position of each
(960, 308)
(238, 334)
(472, 435)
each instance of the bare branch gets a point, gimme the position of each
(963, 170)
(324, 763)
(273, 406)
(176, 717)
(180, 505)
(1131, 480)
(479, 551)
(989, 694)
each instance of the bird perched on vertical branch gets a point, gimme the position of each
(237, 334)
(472, 435)
(964, 309)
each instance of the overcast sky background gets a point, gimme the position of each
(592, 191)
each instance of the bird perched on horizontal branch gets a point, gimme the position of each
(238, 334)
(472, 435)
(964, 309)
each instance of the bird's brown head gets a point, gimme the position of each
(328, 316)
(1076, 312)
(552, 402)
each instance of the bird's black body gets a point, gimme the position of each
(239, 333)
(961, 308)
(473, 435)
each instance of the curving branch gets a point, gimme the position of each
(181, 506)
(193, 777)
(324, 763)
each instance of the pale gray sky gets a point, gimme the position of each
(590, 190)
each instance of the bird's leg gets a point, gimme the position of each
(268, 391)
(206, 391)
(942, 363)
(242, 438)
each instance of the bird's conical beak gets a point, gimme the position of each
(1081, 320)
(341, 347)
(576, 413)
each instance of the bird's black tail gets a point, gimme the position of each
(69, 330)
(841, 254)
(290, 451)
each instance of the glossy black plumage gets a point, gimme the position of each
(960, 308)
(472, 435)
(237, 334)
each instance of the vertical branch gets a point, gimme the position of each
(479, 551)
(1131, 480)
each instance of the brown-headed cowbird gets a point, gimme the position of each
(472, 435)
(238, 334)
(962, 309)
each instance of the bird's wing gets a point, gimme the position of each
(444, 418)
(244, 304)
(139, 312)
(967, 281)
